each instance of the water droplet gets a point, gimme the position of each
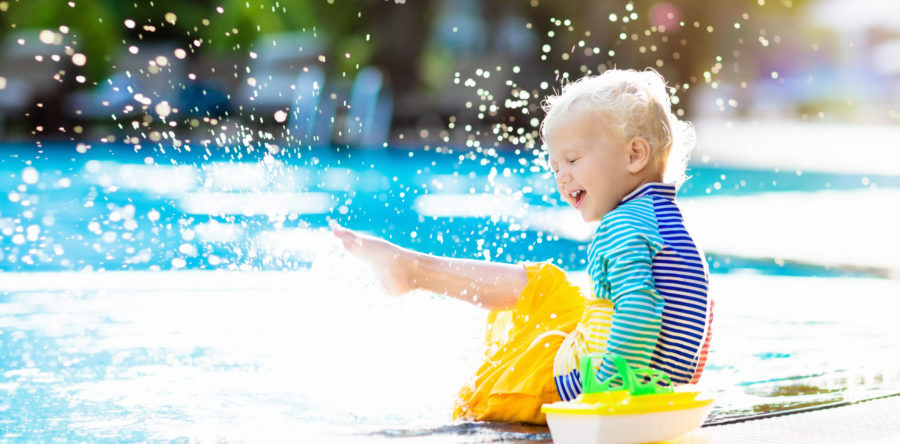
(30, 175)
(163, 109)
(49, 37)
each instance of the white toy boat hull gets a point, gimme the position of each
(568, 428)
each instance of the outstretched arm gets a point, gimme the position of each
(485, 284)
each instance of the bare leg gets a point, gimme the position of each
(485, 284)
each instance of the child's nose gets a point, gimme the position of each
(563, 176)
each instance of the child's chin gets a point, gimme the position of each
(587, 217)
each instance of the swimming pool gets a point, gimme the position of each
(196, 295)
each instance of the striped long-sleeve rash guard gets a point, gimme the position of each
(645, 263)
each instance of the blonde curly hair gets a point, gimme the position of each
(638, 105)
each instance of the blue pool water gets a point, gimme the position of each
(197, 296)
(114, 209)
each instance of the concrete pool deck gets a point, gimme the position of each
(868, 422)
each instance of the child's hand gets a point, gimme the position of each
(390, 262)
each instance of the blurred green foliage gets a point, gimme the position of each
(91, 30)
(97, 27)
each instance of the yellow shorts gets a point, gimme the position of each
(517, 375)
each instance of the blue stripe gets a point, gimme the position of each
(682, 365)
(688, 357)
(664, 275)
(673, 307)
(664, 190)
(701, 293)
(680, 238)
(570, 389)
(686, 273)
(675, 282)
(672, 314)
(685, 329)
(675, 369)
(560, 389)
(679, 360)
(677, 375)
(678, 312)
(568, 386)
(683, 259)
(685, 299)
(684, 334)
(674, 341)
(666, 283)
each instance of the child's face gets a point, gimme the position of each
(590, 165)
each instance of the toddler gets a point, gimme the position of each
(611, 141)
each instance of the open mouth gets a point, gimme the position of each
(578, 195)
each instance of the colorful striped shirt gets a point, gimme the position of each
(643, 261)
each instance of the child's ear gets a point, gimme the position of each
(638, 154)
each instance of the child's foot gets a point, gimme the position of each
(390, 262)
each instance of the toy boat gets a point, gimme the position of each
(644, 408)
